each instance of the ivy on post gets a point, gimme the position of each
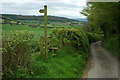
(45, 27)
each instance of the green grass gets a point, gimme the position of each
(66, 64)
(7, 28)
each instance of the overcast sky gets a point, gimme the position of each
(62, 8)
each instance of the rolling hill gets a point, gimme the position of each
(38, 18)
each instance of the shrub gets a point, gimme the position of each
(35, 46)
(93, 37)
(75, 37)
(16, 51)
(111, 43)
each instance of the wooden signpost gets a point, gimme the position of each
(45, 27)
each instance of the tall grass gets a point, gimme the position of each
(66, 64)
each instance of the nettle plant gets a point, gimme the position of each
(16, 49)
(74, 37)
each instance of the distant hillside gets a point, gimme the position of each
(6, 20)
(39, 18)
(81, 19)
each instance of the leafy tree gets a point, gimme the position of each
(105, 16)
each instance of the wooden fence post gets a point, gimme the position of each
(45, 27)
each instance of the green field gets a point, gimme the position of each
(7, 29)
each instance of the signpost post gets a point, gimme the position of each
(45, 27)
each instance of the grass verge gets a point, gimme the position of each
(66, 64)
(111, 44)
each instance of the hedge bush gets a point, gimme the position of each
(75, 37)
(93, 37)
(17, 50)
(111, 43)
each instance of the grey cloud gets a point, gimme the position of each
(8, 3)
(33, 7)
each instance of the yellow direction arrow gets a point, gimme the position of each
(41, 11)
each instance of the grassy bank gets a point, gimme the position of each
(111, 44)
(66, 64)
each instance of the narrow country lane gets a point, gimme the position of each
(103, 64)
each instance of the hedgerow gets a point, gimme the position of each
(75, 37)
(16, 52)
(93, 37)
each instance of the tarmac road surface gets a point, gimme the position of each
(103, 64)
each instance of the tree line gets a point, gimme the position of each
(104, 16)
